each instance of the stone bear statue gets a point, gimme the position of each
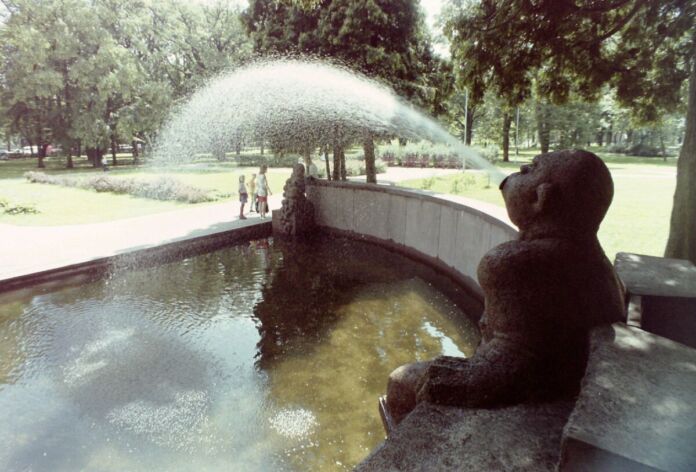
(544, 292)
(296, 212)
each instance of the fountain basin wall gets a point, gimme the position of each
(96, 265)
(451, 233)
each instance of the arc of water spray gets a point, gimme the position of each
(297, 103)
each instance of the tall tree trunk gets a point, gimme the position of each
(326, 160)
(469, 126)
(682, 231)
(307, 158)
(543, 126)
(507, 120)
(343, 164)
(113, 151)
(69, 164)
(134, 148)
(663, 149)
(336, 161)
(41, 151)
(261, 147)
(95, 156)
(369, 150)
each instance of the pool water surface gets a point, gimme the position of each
(258, 357)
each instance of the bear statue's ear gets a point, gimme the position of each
(545, 194)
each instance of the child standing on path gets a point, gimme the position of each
(243, 197)
(254, 205)
(263, 191)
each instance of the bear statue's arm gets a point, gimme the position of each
(499, 373)
(505, 367)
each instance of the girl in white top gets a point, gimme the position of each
(263, 191)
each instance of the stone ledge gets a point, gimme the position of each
(662, 295)
(437, 438)
(636, 407)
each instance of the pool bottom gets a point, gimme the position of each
(257, 357)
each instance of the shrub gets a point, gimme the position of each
(271, 160)
(643, 150)
(489, 153)
(162, 188)
(616, 149)
(462, 182)
(10, 208)
(421, 154)
(427, 184)
(355, 168)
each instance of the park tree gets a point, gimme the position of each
(106, 71)
(32, 72)
(380, 38)
(645, 50)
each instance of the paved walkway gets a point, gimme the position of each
(29, 249)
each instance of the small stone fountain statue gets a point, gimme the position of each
(544, 292)
(296, 212)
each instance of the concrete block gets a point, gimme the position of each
(371, 214)
(321, 199)
(664, 291)
(343, 204)
(447, 246)
(397, 219)
(423, 226)
(438, 438)
(472, 243)
(636, 407)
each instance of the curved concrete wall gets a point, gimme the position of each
(451, 231)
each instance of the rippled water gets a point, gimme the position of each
(253, 358)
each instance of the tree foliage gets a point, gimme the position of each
(383, 39)
(645, 50)
(91, 73)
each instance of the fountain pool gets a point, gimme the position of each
(255, 357)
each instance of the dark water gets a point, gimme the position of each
(253, 358)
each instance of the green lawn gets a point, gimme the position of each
(63, 206)
(638, 219)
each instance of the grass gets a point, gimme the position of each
(638, 219)
(64, 206)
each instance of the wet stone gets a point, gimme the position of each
(636, 408)
(433, 437)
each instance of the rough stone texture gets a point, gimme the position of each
(656, 276)
(663, 295)
(296, 216)
(543, 293)
(636, 410)
(439, 438)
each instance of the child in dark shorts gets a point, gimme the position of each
(243, 197)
